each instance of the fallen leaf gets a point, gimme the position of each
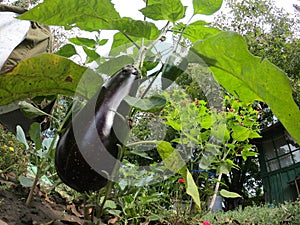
(73, 209)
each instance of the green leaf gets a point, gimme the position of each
(153, 104)
(121, 43)
(89, 15)
(26, 181)
(171, 71)
(139, 153)
(249, 78)
(92, 55)
(91, 43)
(171, 10)
(170, 156)
(103, 42)
(199, 30)
(67, 50)
(220, 132)
(240, 133)
(153, 11)
(21, 136)
(31, 111)
(206, 7)
(47, 74)
(135, 28)
(229, 194)
(112, 66)
(192, 189)
(35, 135)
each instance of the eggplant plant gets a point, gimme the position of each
(84, 152)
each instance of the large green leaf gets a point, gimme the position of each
(47, 74)
(206, 7)
(249, 77)
(89, 15)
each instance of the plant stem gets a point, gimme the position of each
(153, 142)
(213, 200)
(39, 171)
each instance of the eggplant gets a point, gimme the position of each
(87, 151)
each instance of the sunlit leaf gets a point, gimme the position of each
(170, 156)
(87, 15)
(250, 78)
(83, 41)
(21, 136)
(206, 7)
(199, 30)
(229, 194)
(192, 189)
(171, 10)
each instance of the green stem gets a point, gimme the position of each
(153, 142)
(39, 171)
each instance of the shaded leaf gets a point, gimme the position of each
(249, 78)
(112, 66)
(206, 7)
(35, 135)
(47, 74)
(67, 50)
(31, 111)
(152, 104)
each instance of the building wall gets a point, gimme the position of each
(279, 162)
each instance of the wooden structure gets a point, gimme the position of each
(279, 157)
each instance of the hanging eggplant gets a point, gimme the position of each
(88, 149)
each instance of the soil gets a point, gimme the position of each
(42, 209)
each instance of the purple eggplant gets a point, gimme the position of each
(87, 151)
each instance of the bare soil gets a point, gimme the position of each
(43, 210)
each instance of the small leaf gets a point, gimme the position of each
(67, 50)
(103, 42)
(206, 7)
(240, 133)
(35, 135)
(153, 104)
(21, 136)
(91, 43)
(26, 181)
(92, 55)
(173, 10)
(140, 153)
(229, 194)
(31, 111)
(153, 12)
